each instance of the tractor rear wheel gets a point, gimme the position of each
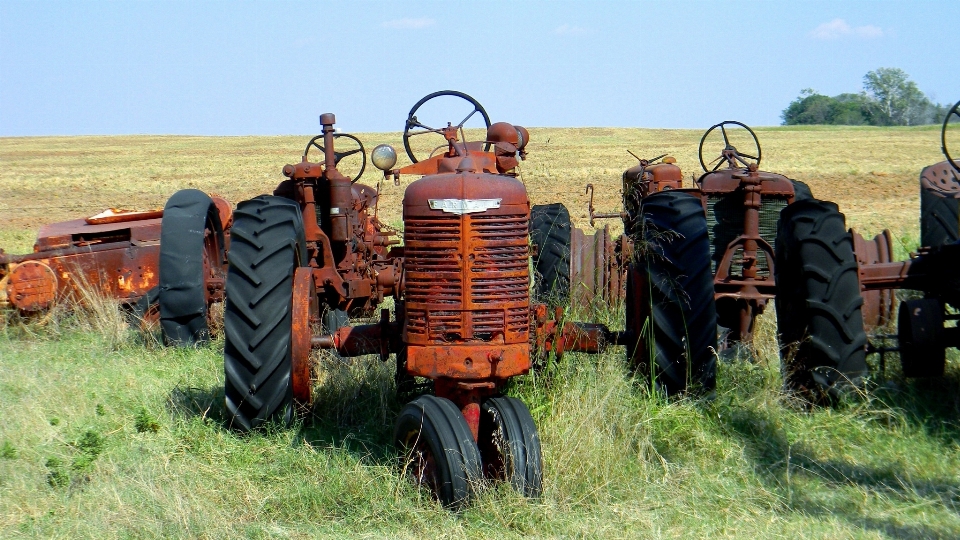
(191, 248)
(818, 302)
(267, 245)
(510, 445)
(671, 312)
(550, 231)
(801, 191)
(438, 450)
(939, 217)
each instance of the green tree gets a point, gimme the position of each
(896, 100)
(814, 108)
(809, 108)
(889, 98)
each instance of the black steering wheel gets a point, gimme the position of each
(955, 111)
(414, 127)
(730, 155)
(317, 142)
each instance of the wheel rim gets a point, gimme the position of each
(303, 303)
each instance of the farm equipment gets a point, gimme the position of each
(174, 255)
(741, 206)
(463, 320)
(826, 281)
(690, 259)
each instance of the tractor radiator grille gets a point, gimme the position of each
(725, 223)
(467, 278)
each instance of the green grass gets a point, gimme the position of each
(108, 437)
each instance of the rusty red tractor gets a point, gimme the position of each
(459, 285)
(721, 230)
(826, 283)
(734, 209)
(164, 264)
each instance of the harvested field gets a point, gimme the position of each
(870, 172)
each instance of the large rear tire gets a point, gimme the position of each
(818, 302)
(191, 248)
(801, 191)
(267, 245)
(510, 445)
(671, 312)
(438, 450)
(939, 217)
(550, 230)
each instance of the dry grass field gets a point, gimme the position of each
(871, 172)
(106, 434)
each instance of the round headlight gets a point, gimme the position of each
(384, 157)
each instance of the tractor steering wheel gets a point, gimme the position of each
(414, 127)
(317, 142)
(730, 155)
(955, 111)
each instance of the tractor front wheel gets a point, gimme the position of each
(438, 450)
(267, 245)
(510, 445)
(191, 249)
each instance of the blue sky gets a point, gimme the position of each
(262, 68)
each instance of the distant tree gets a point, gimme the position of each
(814, 108)
(809, 108)
(851, 110)
(889, 98)
(896, 99)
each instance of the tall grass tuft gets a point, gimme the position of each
(93, 312)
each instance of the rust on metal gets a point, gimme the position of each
(743, 205)
(551, 334)
(114, 253)
(31, 287)
(472, 362)
(466, 259)
(597, 266)
(112, 215)
(118, 260)
(878, 304)
(346, 243)
(380, 339)
(303, 313)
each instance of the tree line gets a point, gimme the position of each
(888, 98)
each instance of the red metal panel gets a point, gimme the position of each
(471, 362)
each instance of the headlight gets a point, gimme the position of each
(384, 157)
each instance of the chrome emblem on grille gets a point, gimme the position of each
(463, 206)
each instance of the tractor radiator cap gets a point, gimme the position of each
(467, 165)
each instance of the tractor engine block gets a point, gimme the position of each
(466, 276)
